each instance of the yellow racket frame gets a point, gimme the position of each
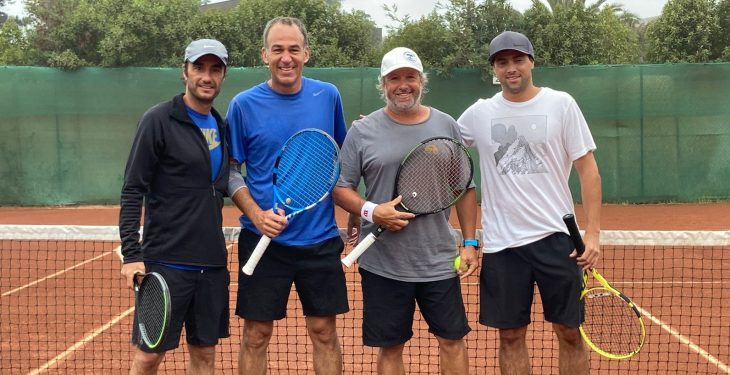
(605, 285)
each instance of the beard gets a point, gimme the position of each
(399, 106)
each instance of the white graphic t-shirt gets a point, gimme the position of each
(526, 152)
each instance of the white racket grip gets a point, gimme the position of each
(358, 250)
(256, 255)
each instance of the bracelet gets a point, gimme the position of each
(367, 211)
(471, 242)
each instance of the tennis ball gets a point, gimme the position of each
(457, 262)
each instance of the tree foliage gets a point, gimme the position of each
(336, 38)
(458, 36)
(570, 33)
(76, 33)
(722, 39)
(73, 33)
(13, 45)
(428, 37)
(473, 25)
(684, 32)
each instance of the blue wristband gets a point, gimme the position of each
(470, 242)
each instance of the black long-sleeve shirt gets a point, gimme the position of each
(169, 170)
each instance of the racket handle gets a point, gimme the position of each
(569, 220)
(256, 255)
(358, 250)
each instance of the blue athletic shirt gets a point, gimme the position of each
(260, 121)
(209, 128)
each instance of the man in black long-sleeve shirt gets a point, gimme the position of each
(178, 167)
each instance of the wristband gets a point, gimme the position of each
(470, 242)
(367, 211)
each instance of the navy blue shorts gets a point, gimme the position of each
(315, 270)
(199, 302)
(508, 278)
(389, 305)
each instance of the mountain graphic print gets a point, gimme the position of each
(520, 139)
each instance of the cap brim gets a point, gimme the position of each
(494, 55)
(399, 66)
(195, 58)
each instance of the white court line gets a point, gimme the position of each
(56, 274)
(684, 340)
(79, 344)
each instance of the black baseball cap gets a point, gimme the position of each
(510, 40)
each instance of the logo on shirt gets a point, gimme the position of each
(518, 138)
(211, 136)
(318, 92)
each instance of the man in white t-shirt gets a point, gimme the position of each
(528, 140)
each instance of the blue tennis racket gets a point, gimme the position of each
(305, 172)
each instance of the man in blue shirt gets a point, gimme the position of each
(307, 250)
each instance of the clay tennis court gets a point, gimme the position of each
(65, 310)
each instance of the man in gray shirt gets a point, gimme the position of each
(413, 262)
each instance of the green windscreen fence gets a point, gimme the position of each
(663, 131)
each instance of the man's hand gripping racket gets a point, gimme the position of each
(152, 304)
(613, 326)
(305, 172)
(432, 177)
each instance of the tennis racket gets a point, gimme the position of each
(152, 307)
(305, 172)
(613, 326)
(432, 177)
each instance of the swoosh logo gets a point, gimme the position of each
(318, 92)
(211, 135)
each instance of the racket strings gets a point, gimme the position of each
(434, 176)
(307, 170)
(151, 310)
(611, 324)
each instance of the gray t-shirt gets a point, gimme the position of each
(374, 147)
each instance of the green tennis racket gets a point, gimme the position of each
(152, 308)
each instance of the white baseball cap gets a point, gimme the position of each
(400, 57)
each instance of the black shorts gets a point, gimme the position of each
(508, 278)
(389, 305)
(315, 270)
(199, 301)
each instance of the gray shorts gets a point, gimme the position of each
(508, 278)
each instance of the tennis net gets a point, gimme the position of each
(64, 309)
